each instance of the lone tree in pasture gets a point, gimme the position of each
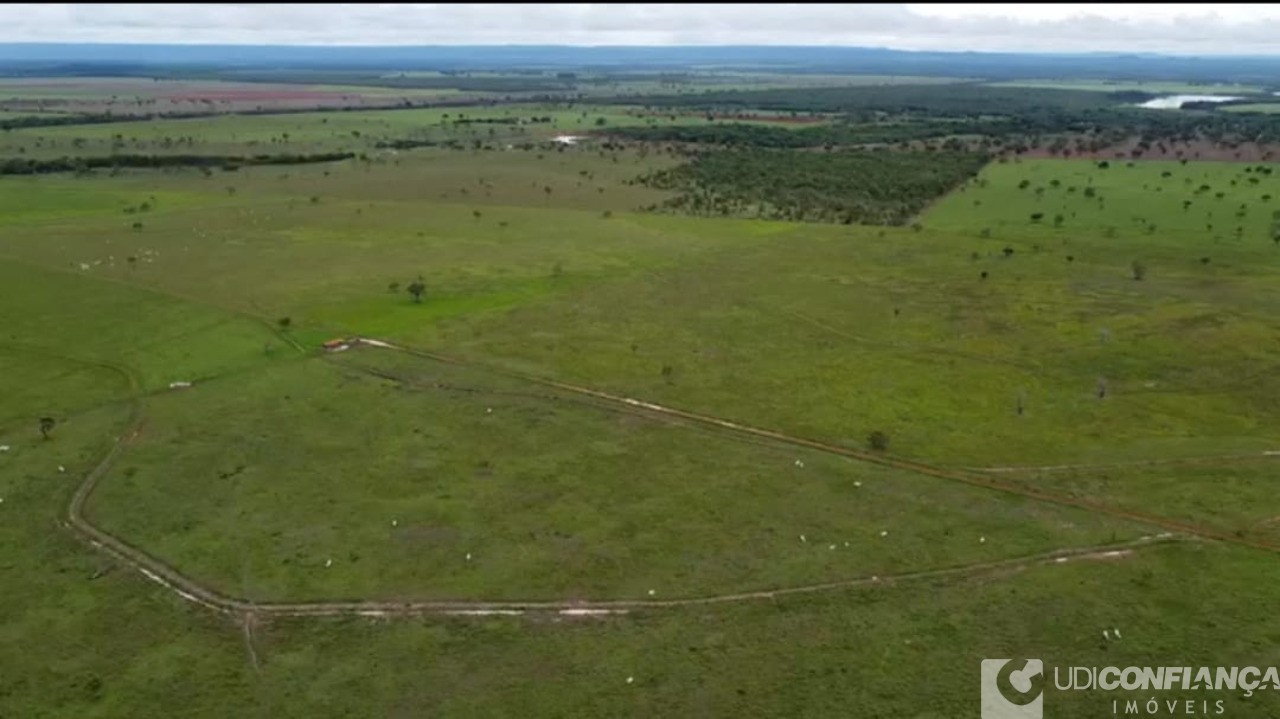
(133, 262)
(393, 288)
(46, 426)
(877, 440)
(284, 323)
(416, 288)
(1139, 270)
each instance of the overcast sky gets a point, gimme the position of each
(1206, 29)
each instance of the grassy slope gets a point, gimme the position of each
(82, 636)
(551, 498)
(1232, 495)
(269, 246)
(850, 332)
(743, 311)
(117, 645)
(146, 335)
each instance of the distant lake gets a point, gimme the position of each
(1174, 102)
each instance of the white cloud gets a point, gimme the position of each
(1210, 29)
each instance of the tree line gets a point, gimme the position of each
(16, 166)
(739, 134)
(940, 100)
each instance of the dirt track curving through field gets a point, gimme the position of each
(210, 598)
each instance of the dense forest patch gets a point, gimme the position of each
(865, 187)
(746, 135)
(922, 100)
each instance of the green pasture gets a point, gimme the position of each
(1170, 207)
(824, 331)
(936, 336)
(310, 132)
(451, 483)
(982, 338)
(1228, 492)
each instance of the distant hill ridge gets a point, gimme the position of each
(86, 59)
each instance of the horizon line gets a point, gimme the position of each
(573, 46)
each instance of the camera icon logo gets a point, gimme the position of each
(1012, 689)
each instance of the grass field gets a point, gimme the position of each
(1239, 502)
(621, 305)
(303, 132)
(464, 486)
(982, 339)
(944, 374)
